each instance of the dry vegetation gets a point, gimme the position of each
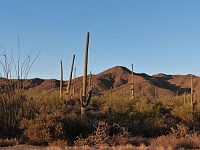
(112, 122)
(163, 114)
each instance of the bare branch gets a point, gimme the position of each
(32, 64)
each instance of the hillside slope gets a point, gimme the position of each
(119, 79)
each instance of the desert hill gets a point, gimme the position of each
(119, 79)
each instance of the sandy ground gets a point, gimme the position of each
(23, 147)
(31, 147)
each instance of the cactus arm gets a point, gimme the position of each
(81, 96)
(89, 95)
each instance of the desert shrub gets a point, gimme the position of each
(44, 101)
(173, 101)
(98, 137)
(184, 112)
(59, 143)
(196, 113)
(8, 142)
(101, 135)
(117, 102)
(116, 129)
(182, 131)
(180, 137)
(192, 142)
(43, 129)
(118, 135)
(164, 141)
(143, 109)
(153, 127)
(96, 102)
(73, 127)
(137, 141)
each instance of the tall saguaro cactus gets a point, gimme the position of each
(74, 81)
(132, 83)
(61, 79)
(70, 76)
(84, 95)
(184, 98)
(192, 101)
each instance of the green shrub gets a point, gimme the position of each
(143, 109)
(184, 112)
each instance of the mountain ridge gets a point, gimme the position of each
(119, 79)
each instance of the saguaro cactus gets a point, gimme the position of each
(70, 76)
(84, 95)
(74, 81)
(192, 101)
(132, 84)
(184, 102)
(61, 79)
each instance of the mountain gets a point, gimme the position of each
(119, 79)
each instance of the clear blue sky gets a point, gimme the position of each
(157, 36)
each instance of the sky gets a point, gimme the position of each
(157, 36)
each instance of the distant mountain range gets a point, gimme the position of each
(119, 79)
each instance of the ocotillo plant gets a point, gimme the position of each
(70, 76)
(85, 96)
(61, 80)
(14, 103)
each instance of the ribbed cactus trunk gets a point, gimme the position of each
(132, 83)
(192, 94)
(85, 68)
(70, 76)
(61, 80)
(83, 95)
(184, 102)
(74, 81)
